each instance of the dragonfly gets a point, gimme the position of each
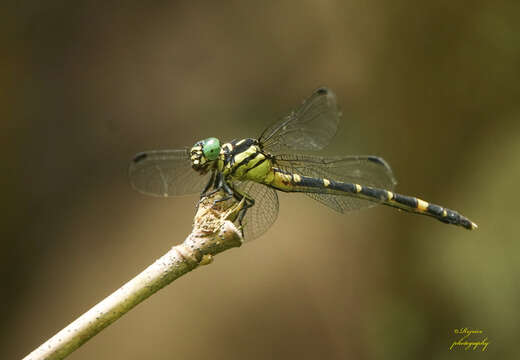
(277, 161)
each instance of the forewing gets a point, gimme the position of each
(165, 173)
(262, 215)
(370, 171)
(311, 127)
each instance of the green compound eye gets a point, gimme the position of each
(211, 148)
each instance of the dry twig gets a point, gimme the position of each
(213, 232)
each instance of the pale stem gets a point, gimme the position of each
(213, 232)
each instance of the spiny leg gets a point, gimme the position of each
(208, 185)
(218, 182)
(205, 192)
(222, 184)
(249, 202)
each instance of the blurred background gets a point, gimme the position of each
(431, 87)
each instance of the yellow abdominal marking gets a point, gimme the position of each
(326, 182)
(390, 195)
(358, 187)
(422, 205)
(444, 213)
(297, 178)
(240, 142)
(279, 180)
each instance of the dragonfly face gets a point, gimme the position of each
(204, 154)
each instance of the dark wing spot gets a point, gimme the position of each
(321, 91)
(140, 157)
(377, 160)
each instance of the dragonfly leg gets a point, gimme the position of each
(238, 196)
(230, 192)
(219, 183)
(205, 192)
(242, 212)
(249, 203)
(208, 185)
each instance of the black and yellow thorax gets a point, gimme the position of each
(244, 160)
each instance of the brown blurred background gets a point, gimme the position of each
(431, 87)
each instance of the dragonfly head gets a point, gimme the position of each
(204, 153)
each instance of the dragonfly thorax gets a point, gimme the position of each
(204, 153)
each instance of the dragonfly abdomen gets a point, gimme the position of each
(297, 183)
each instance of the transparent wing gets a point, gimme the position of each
(165, 173)
(311, 127)
(370, 171)
(262, 215)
